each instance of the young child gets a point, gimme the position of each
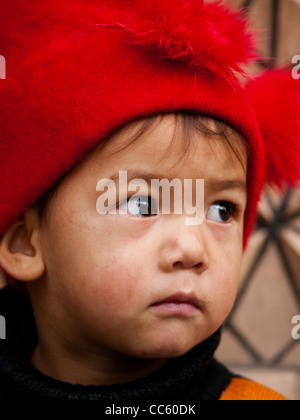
(126, 307)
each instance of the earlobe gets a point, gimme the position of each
(20, 250)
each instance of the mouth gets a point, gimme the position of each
(179, 304)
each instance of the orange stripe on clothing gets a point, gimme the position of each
(246, 390)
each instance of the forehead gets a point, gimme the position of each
(168, 143)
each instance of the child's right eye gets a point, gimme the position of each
(140, 206)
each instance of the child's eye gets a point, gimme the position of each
(140, 206)
(221, 212)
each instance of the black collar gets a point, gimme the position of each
(190, 378)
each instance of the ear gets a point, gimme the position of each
(20, 249)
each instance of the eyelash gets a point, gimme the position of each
(233, 208)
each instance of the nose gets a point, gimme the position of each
(184, 248)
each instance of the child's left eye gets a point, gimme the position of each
(221, 212)
(140, 206)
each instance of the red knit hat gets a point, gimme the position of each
(79, 69)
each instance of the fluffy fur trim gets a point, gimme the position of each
(202, 34)
(275, 96)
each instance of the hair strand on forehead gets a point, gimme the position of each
(186, 124)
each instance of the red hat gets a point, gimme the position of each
(77, 70)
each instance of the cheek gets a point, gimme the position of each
(226, 282)
(97, 266)
(120, 285)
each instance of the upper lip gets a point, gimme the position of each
(190, 298)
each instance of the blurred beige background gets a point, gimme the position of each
(257, 341)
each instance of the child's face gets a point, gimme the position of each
(105, 274)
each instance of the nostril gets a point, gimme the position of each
(198, 266)
(180, 265)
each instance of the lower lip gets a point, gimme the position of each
(177, 308)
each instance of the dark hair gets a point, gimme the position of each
(189, 123)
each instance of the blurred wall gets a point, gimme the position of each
(257, 341)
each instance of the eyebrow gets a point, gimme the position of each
(213, 184)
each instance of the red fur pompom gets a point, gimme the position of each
(201, 33)
(275, 96)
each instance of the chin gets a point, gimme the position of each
(167, 350)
